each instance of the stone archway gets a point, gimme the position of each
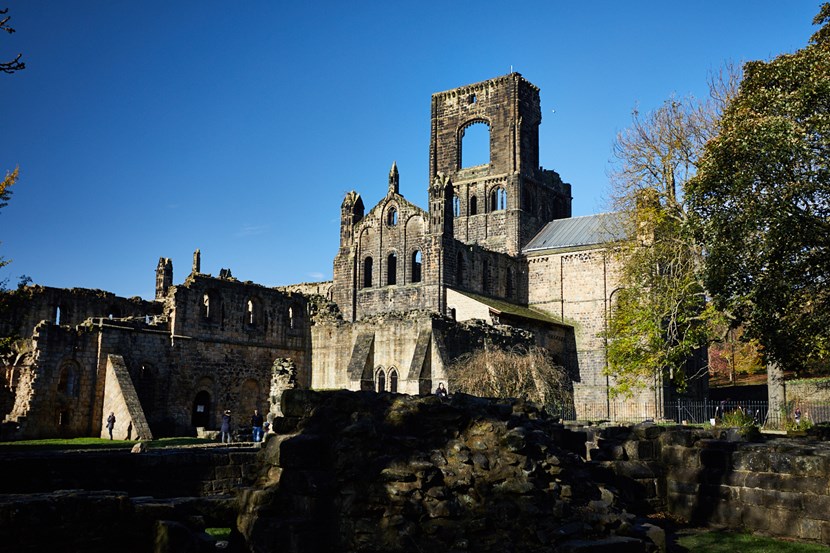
(201, 409)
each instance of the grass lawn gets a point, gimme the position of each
(731, 542)
(218, 533)
(95, 443)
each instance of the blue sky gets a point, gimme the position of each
(149, 129)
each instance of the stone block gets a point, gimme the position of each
(765, 480)
(298, 402)
(228, 471)
(753, 517)
(817, 466)
(780, 462)
(681, 457)
(735, 479)
(817, 506)
(681, 504)
(726, 512)
(637, 470)
(810, 529)
(676, 437)
(649, 431)
(751, 460)
(783, 522)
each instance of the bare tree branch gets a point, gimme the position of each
(15, 64)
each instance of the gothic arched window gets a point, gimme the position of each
(393, 381)
(367, 272)
(380, 381)
(416, 266)
(392, 269)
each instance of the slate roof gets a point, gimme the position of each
(588, 230)
(503, 306)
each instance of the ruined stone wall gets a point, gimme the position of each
(558, 339)
(500, 205)
(23, 309)
(121, 401)
(227, 310)
(55, 393)
(418, 346)
(529, 202)
(778, 487)
(215, 357)
(165, 499)
(486, 272)
(173, 378)
(344, 354)
(386, 263)
(192, 472)
(323, 288)
(383, 472)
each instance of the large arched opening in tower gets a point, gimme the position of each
(474, 145)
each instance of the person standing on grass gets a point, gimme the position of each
(225, 430)
(111, 423)
(256, 425)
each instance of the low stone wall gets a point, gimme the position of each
(777, 487)
(65, 501)
(366, 472)
(162, 473)
(106, 521)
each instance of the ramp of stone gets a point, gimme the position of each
(121, 399)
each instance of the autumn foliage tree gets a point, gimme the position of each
(734, 356)
(5, 194)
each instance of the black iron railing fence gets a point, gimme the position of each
(697, 412)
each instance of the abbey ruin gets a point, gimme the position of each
(496, 258)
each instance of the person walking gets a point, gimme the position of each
(111, 423)
(225, 430)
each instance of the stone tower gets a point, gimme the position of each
(502, 204)
(164, 277)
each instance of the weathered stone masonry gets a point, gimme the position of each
(497, 244)
(211, 348)
(383, 472)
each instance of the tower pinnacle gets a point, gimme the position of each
(394, 178)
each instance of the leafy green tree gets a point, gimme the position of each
(761, 204)
(660, 319)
